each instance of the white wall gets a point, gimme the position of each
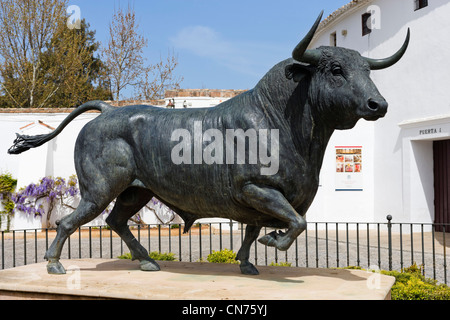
(416, 88)
(56, 159)
(345, 206)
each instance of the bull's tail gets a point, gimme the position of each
(23, 143)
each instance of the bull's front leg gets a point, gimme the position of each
(272, 202)
(251, 234)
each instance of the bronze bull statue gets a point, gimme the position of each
(216, 162)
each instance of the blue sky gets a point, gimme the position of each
(224, 44)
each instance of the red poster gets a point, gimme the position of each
(349, 168)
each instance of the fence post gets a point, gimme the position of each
(389, 225)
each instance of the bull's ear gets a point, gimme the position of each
(297, 71)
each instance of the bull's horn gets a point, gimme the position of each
(309, 56)
(377, 64)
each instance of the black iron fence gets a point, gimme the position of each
(384, 246)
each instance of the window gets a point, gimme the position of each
(419, 4)
(366, 23)
(333, 39)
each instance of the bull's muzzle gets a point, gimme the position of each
(375, 108)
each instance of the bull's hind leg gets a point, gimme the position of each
(272, 202)
(85, 212)
(251, 233)
(128, 204)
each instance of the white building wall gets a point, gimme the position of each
(346, 206)
(416, 88)
(56, 159)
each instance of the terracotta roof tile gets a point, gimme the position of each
(339, 12)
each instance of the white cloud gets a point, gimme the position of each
(202, 41)
(241, 57)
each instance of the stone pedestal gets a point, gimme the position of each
(122, 279)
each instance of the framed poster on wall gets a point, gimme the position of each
(349, 168)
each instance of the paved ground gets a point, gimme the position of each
(314, 249)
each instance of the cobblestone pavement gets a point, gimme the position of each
(321, 248)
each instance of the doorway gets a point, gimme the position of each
(441, 168)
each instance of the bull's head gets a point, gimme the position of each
(341, 89)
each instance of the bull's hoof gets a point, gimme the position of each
(55, 267)
(274, 239)
(147, 265)
(248, 269)
(269, 239)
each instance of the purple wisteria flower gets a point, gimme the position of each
(53, 191)
(50, 189)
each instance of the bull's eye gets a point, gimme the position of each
(337, 71)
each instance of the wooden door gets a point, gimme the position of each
(441, 164)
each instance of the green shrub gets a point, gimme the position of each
(7, 183)
(125, 256)
(416, 289)
(7, 186)
(222, 256)
(155, 255)
(351, 268)
(169, 256)
(410, 284)
(281, 264)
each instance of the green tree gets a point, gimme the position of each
(123, 54)
(73, 73)
(7, 186)
(26, 26)
(124, 59)
(158, 78)
(44, 63)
